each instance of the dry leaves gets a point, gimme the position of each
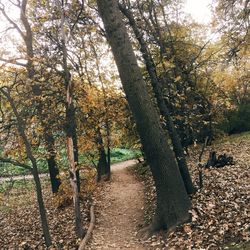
(220, 211)
(20, 221)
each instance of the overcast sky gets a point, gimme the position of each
(199, 10)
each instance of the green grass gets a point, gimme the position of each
(117, 155)
(7, 169)
(122, 154)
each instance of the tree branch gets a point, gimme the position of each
(12, 22)
(16, 163)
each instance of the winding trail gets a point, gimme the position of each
(119, 211)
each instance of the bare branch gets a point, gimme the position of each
(18, 4)
(6, 30)
(12, 22)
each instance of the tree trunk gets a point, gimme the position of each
(71, 153)
(74, 173)
(151, 68)
(73, 181)
(108, 166)
(53, 169)
(172, 199)
(106, 119)
(103, 168)
(41, 206)
(75, 146)
(36, 89)
(70, 128)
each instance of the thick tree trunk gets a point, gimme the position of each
(103, 168)
(180, 157)
(151, 68)
(172, 199)
(53, 169)
(108, 170)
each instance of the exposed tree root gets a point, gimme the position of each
(87, 236)
(147, 232)
(157, 228)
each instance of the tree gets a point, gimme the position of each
(104, 163)
(6, 92)
(71, 137)
(172, 200)
(27, 37)
(92, 121)
(157, 88)
(231, 19)
(177, 56)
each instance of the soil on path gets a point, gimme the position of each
(119, 212)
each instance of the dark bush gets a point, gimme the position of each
(238, 120)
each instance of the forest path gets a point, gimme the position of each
(119, 211)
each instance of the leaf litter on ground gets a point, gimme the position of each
(20, 220)
(220, 210)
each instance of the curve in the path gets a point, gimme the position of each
(120, 212)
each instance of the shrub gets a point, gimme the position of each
(237, 121)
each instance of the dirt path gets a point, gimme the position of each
(119, 212)
(21, 177)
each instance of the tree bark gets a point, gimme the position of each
(108, 166)
(72, 119)
(70, 130)
(51, 160)
(172, 199)
(151, 68)
(103, 168)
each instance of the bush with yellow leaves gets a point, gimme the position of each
(64, 196)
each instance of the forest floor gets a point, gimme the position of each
(119, 206)
(19, 215)
(124, 205)
(220, 210)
